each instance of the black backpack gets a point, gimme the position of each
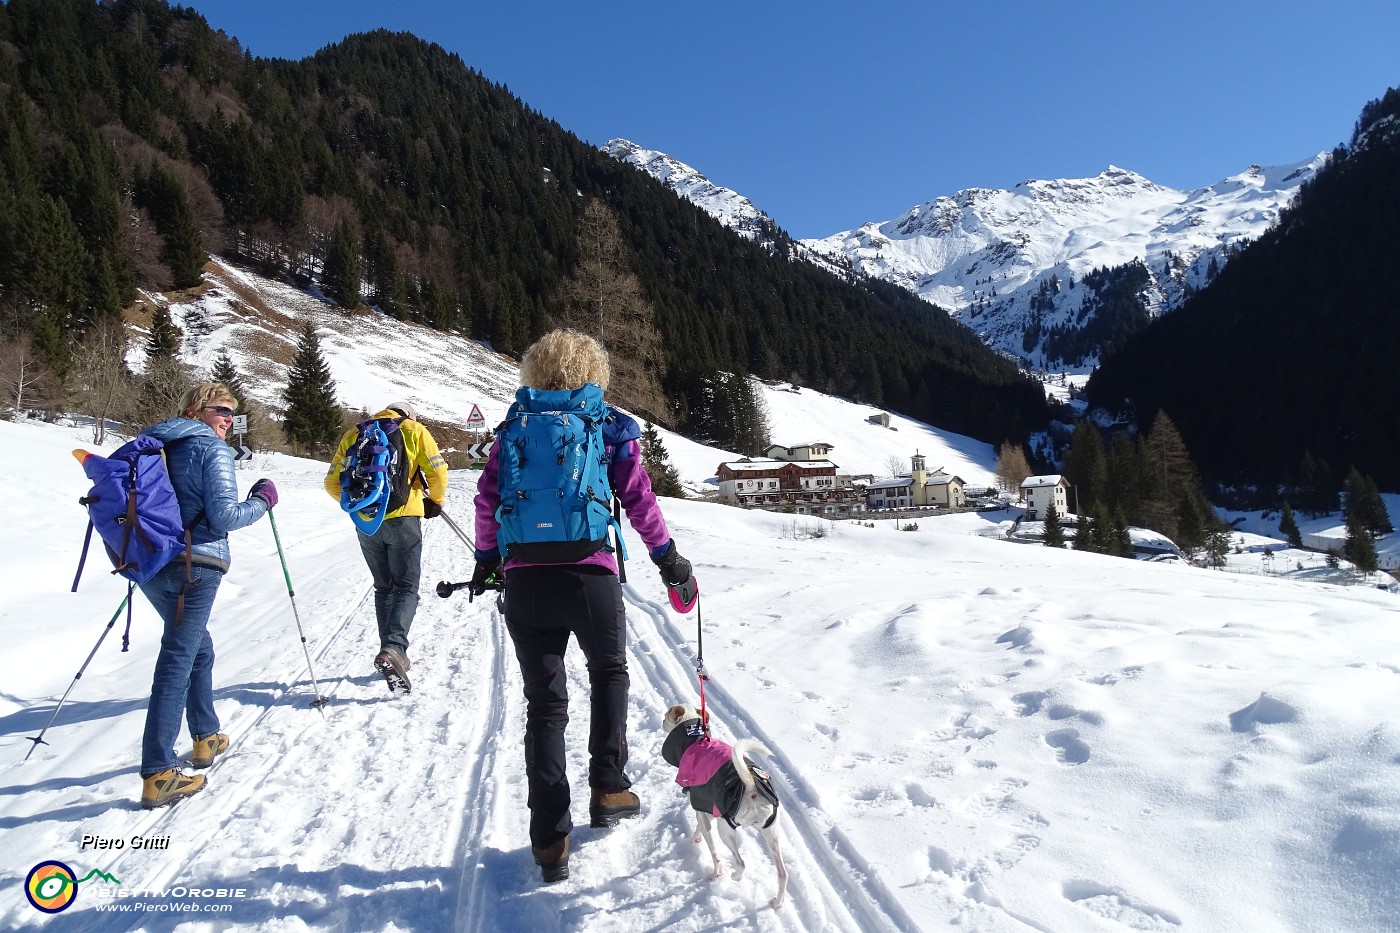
(376, 478)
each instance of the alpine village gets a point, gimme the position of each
(147, 160)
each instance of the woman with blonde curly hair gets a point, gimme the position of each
(546, 601)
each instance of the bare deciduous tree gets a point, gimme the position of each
(101, 385)
(604, 298)
(27, 381)
(1012, 467)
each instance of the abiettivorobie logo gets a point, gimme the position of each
(52, 886)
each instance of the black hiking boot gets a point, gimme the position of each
(393, 664)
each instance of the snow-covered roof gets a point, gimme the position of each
(1038, 482)
(753, 466)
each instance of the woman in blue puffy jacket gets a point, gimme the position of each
(201, 470)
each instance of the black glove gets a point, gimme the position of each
(485, 577)
(431, 509)
(675, 569)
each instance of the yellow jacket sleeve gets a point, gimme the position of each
(338, 464)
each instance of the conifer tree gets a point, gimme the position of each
(1364, 505)
(173, 215)
(164, 339)
(1217, 546)
(1085, 535)
(1360, 549)
(312, 420)
(656, 460)
(340, 276)
(1288, 526)
(1191, 525)
(225, 372)
(1085, 466)
(1054, 534)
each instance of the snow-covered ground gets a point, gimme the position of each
(965, 731)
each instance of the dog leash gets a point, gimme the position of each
(700, 664)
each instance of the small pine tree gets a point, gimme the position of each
(1288, 526)
(1054, 534)
(1217, 546)
(164, 339)
(1086, 534)
(656, 460)
(313, 417)
(258, 427)
(1360, 549)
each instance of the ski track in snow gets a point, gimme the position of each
(448, 759)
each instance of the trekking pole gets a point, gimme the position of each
(39, 739)
(458, 531)
(320, 701)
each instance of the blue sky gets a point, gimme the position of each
(827, 115)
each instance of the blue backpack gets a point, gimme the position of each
(555, 496)
(375, 480)
(132, 506)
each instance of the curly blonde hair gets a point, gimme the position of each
(564, 359)
(206, 393)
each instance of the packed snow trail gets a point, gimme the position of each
(390, 812)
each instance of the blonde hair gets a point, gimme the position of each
(564, 359)
(206, 393)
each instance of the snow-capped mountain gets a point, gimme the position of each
(727, 206)
(1009, 262)
(1012, 265)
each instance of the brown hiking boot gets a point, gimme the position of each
(163, 789)
(605, 808)
(393, 664)
(207, 749)
(553, 861)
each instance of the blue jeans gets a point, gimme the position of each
(184, 680)
(394, 554)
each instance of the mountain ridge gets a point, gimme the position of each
(988, 255)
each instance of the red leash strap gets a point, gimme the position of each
(700, 665)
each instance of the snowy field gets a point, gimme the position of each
(966, 732)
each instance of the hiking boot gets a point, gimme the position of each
(393, 664)
(207, 749)
(160, 790)
(553, 861)
(605, 808)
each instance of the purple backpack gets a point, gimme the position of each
(132, 505)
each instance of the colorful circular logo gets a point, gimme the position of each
(51, 887)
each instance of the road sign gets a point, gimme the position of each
(240, 424)
(242, 453)
(480, 451)
(476, 420)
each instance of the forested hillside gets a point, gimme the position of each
(135, 140)
(1288, 365)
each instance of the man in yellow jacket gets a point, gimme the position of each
(394, 552)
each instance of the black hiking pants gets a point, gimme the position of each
(544, 605)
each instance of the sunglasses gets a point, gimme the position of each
(223, 410)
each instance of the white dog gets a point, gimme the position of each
(722, 783)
